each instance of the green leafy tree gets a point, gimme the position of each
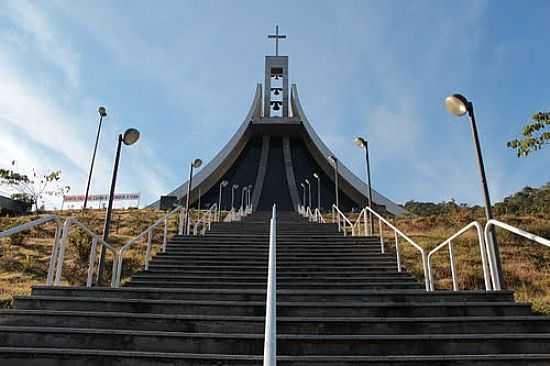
(535, 134)
(32, 189)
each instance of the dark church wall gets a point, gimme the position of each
(275, 189)
(242, 172)
(304, 167)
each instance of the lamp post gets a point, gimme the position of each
(303, 195)
(243, 192)
(458, 105)
(130, 137)
(235, 187)
(335, 163)
(195, 164)
(249, 192)
(102, 113)
(308, 192)
(223, 184)
(362, 143)
(316, 176)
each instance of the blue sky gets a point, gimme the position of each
(184, 73)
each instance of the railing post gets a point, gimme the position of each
(270, 335)
(453, 269)
(430, 275)
(148, 251)
(397, 253)
(55, 250)
(380, 231)
(366, 230)
(91, 263)
(427, 281)
(180, 223)
(165, 235)
(61, 254)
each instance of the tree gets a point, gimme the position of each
(33, 189)
(536, 134)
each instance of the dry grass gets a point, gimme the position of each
(24, 257)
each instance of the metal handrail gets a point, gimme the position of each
(270, 335)
(35, 223)
(342, 220)
(449, 243)
(492, 258)
(309, 214)
(96, 238)
(319, 217)
(362, 216)
(409, 240)
(149, 233)
(205, 221)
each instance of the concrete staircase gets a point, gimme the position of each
(340, 302)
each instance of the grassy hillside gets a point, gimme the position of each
(24, 257)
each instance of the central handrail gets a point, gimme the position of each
(449, 243)
(39, 222)
(270, 335)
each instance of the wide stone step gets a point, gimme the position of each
(40, 356)
(280, 269)
(175, 283)
(283, 257)
(383, 276)
(282, 294)
(257, 308)
(357, 261)
(285, 325)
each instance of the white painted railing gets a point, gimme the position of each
(492, 262)
(96, 238)
(270, 335)
(318, 217)
(57, 236)
(449, 243)
(342, 221)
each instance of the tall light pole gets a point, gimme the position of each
(243, 192)
(233, 188)
(303, 195)
(223, 184)
(130, 137)
(362, 143)
(195, 164)
(458, 105)
(249, 192)
(102, 113)
(316, 176)
(335, 163)
(308, 192)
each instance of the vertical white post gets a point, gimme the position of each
(365, 223)
(397, 253)
(61, 254)
(453, 269)
(182, 219)
(55, 250)
(381, 235)
(148, 251)
(270, 336)
(165, 235)
(91, 263)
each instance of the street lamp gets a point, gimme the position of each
(102, 113)
(335, 164)
(195, 164)
(308, 192)
(223, 184)
(243, 192)
(362, 143)
(249, 193)
(303, 195)
(458, 105)
(235, 187)
(130, 137)
(316, 176)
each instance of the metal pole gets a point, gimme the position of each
(319, 193)
(187, 200)
(336, 182)
(370, 186)
(485, 189)
(108, 215)
(309, 194)
(93, 161)
(232, 197)
(220, 201)
(243, 191)
(199, 204)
